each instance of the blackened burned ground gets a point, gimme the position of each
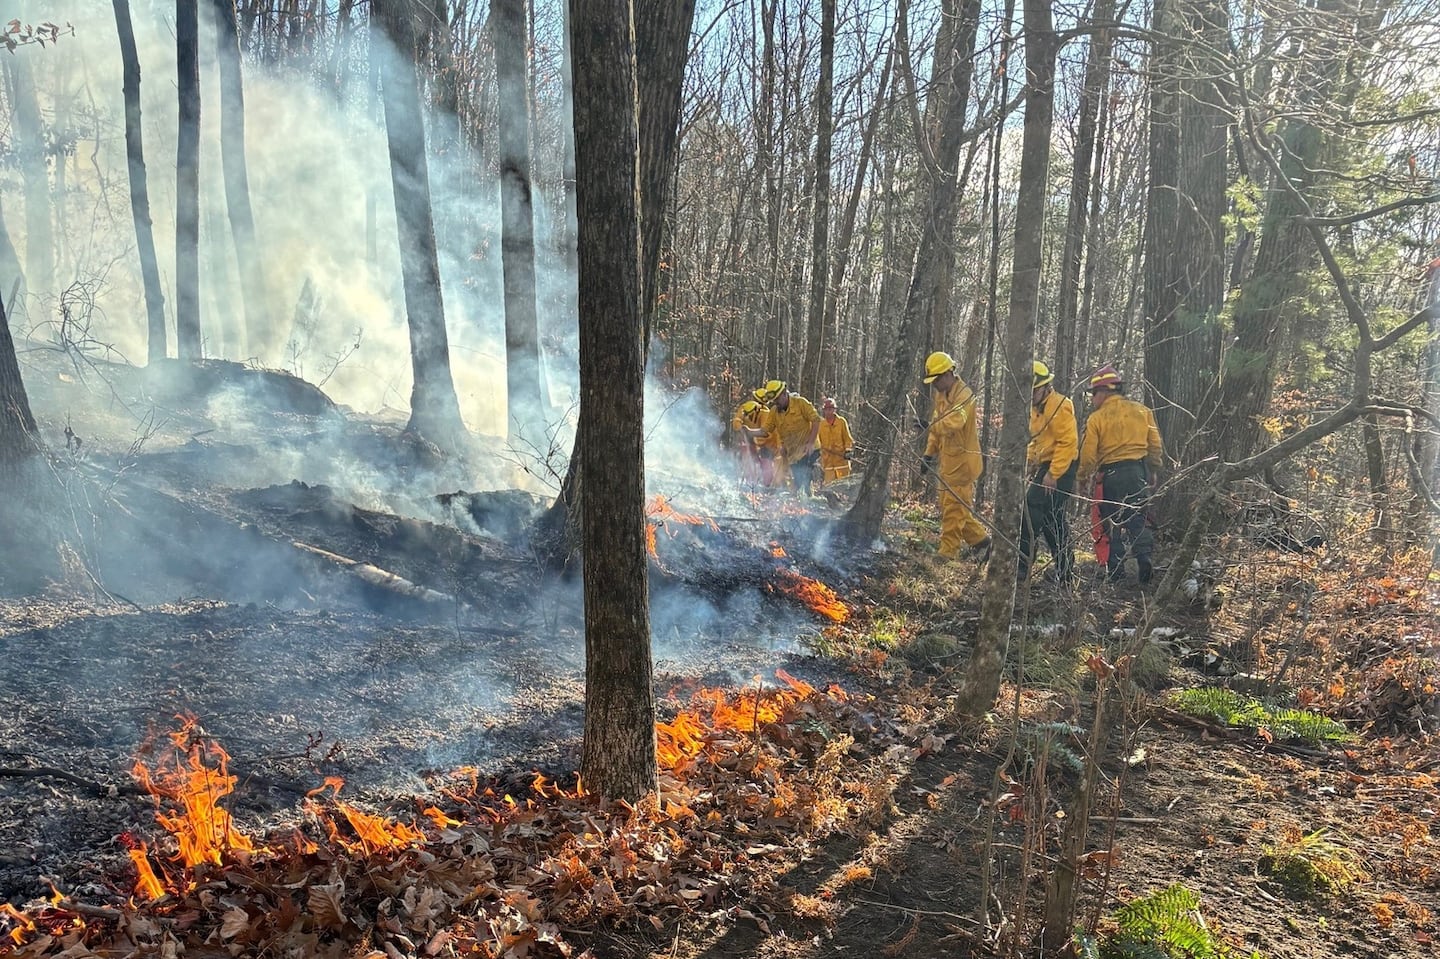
(227, 567)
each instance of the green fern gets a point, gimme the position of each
(1234, 709)
(1303, 724)
(1164, 925)
(1052, 740)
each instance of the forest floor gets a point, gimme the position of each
(387, 699)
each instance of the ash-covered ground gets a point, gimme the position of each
(327, 598)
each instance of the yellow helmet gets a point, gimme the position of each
(938, 364)
(749, 407)
(774, 388)
(1042, 375)
(759, 395)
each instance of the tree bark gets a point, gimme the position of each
(618, 759)
(32, 157)
(517, 225)
(188, 343)
(1092, 95)
(19, 437)
(662, 44)
(1284, 253)
(1185, 291)
(434, 407)
(157, 337)
(254, 289)
(816, 332)
(982, 679)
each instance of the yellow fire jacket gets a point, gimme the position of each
(795, 425)
(955, 436)
(1054, 438)
(834, 441)
(1119, 429)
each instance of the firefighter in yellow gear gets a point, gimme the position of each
(798, 424)
(1123, 443)
(755, 424)
(746, 426)
(836, 444)
(1052, 460)
(952, 451)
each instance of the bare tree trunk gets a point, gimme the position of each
(815, 329)
(31, 505)
(1182, 331)
(932, 257)
(982, 679)
(846, 236)
(662, 43)
(139, 189)
(254, 288)
(662, 38)
(19, 436)
(32, 157)
(618, 758)
(1092, 96)
(517, 223)
(1284, 253)
(187, 188)
(434, 407)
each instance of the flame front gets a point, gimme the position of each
(373, 833)
(814, 594)
(194, 777)
(660, 512)
(683, 738)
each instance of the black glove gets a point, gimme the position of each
(846, 454)
(928, 461)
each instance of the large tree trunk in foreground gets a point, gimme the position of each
(157, 337)
(517, 226)
(434, 408)
(254, 293)
(619, 751)
(662, 37)
(187, 188)
(982, 681)
(1185, 267)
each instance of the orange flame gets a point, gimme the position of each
(814, 594)
(662, 513)
(685, 737)
(24, 925)
(194, 777)
(147, 884)
(777, 551)
(375, 833)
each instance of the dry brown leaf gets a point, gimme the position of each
(326, 904)
(234, 922)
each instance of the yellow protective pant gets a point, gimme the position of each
(957, 523)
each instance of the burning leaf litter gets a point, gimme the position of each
(495, 872)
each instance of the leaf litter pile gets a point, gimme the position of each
(479, 870)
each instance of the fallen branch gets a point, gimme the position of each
(375, 576)
(104, 790)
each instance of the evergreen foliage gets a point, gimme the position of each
(1244, 712)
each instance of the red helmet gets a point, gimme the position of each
(1106, 378)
